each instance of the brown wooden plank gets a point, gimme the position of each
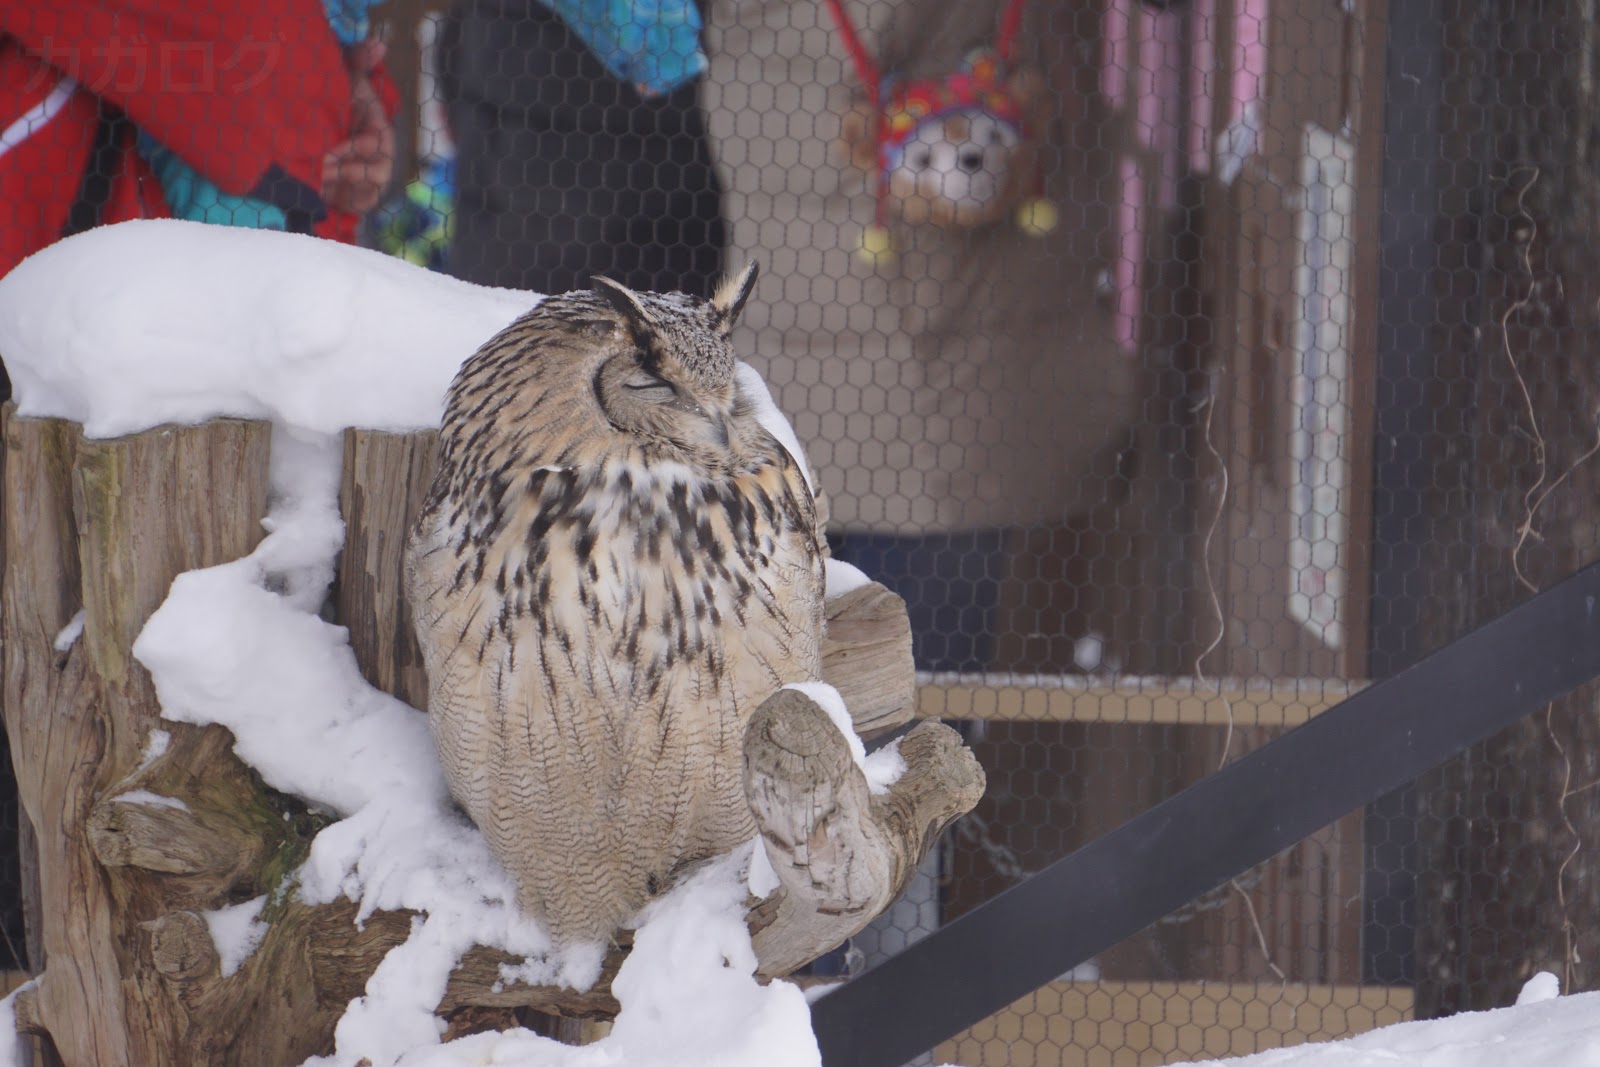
(38, 596)
(386, 478)
(148, 509)
(1176, 701)
(1109, 1024)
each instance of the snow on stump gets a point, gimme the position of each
(164, 905)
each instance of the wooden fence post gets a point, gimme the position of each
(94, 532)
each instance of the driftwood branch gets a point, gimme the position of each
(132, 851)
(181, 947)
(866, 656)
(841, 854)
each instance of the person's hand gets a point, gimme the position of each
(356, 173)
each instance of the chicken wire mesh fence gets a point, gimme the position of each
(1183, 365)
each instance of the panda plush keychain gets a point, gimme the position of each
(957, 151)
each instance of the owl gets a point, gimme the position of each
(615, 565)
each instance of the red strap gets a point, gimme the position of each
(1010, 23)
(865, 68)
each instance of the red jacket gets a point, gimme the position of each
(244, 91)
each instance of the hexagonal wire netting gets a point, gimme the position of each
(1182, 364)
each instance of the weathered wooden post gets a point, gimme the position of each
(144, 825)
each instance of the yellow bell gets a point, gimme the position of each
(1037, 216)
(877, 246)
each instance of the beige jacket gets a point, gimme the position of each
(974, 380)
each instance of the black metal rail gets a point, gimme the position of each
(1223, 825)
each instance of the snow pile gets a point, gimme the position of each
(1540, 988)
(236, 931)
(144, 796)
(15, 1049)
(842, 577)
(131, 326)
(688, 999)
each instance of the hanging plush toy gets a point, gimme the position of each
(955, 151)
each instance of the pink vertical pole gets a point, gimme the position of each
(1160, 60)
(1130, 254)
(1249, 55)
(1116, 74)
(1202, 82)
(1114, 57)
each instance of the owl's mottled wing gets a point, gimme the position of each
(590, 680)
(527, 740)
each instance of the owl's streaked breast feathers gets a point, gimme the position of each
(615, 565)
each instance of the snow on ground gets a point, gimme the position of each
(131, 326)
(1541, 1029)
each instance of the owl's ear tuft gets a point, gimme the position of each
(628, 305)
(732, 294)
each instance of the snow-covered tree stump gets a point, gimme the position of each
(145, 827)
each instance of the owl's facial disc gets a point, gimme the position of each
(677, 331)
(670, 377)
